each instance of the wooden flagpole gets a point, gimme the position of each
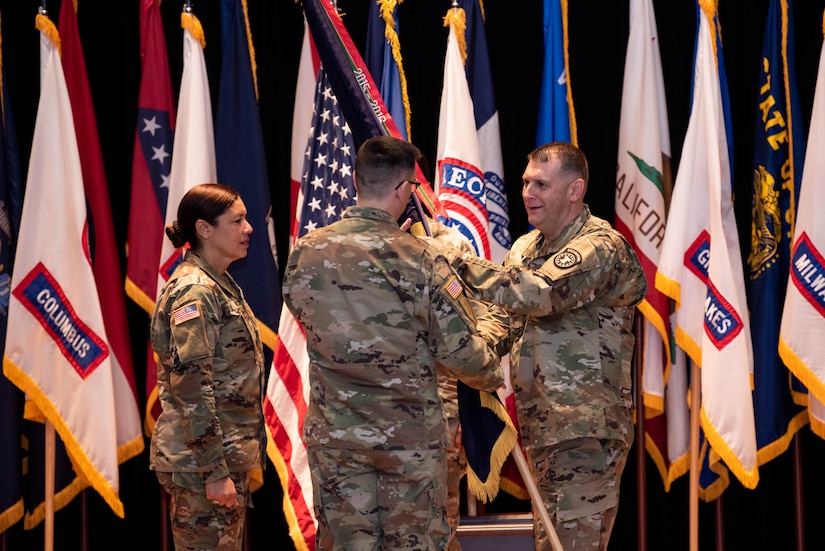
(535, 497)
(695, 391)
(49, 482)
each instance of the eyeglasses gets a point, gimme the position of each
(413, 183)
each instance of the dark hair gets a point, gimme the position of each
(381, 161)
(573, 160)
(202, 202)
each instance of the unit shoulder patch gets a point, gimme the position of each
(567, 258)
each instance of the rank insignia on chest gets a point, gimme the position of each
(567, 258)
(185, 313)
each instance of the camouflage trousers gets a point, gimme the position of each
(369, 500)
(456, 469)
(199, 525)
(579, 483)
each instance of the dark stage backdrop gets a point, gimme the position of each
(754, 519)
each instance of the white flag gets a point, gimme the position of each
(801, 336)
(56, 346)
(701, 268)
(193, 153)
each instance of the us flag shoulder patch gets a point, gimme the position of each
(454, 287)
(185, 313)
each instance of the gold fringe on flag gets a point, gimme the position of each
(387, 9)
(43, 24)
(457, 19)
(487, 490)
(251, 47)
(192, 24)
(708, 7)
(574, 133)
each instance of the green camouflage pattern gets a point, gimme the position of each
(579, 484)
(368, 500)
(210, 376)
(571, 304)
(197, 524)
(380, 309)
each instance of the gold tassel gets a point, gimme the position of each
(251, 47)
(43, 24)
(192, 24)
(457, 19)
(387, 9)
(487, 491)
(483, 15)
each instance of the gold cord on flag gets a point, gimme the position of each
(43, 24)
(457, 19)
(251, 47)
(387, 9)
(189, 22)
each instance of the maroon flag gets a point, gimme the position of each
(151, 164)
(105, 263)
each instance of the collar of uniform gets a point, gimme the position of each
(569, 232)
(369, 212)
(225, 281)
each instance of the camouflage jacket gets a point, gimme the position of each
(210, 376)
(380, 308)
(571, 305)
(447, 384)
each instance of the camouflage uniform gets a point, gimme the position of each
(456, 458)
(380, 308)
(571, 304)
(210, 385)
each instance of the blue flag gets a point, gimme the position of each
(779, 147)
(241, 163)
(11, 398)
(556, 118)
(383, 57)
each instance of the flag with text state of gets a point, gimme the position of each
(801, 345)
(700, 267)
(241, 163)
(383, 57)
(11, 398)
(779, 146)
(103, 248)
(643, 187)
(151, 165)
(556, 117)
(56, 347)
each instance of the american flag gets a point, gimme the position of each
(327, 188)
